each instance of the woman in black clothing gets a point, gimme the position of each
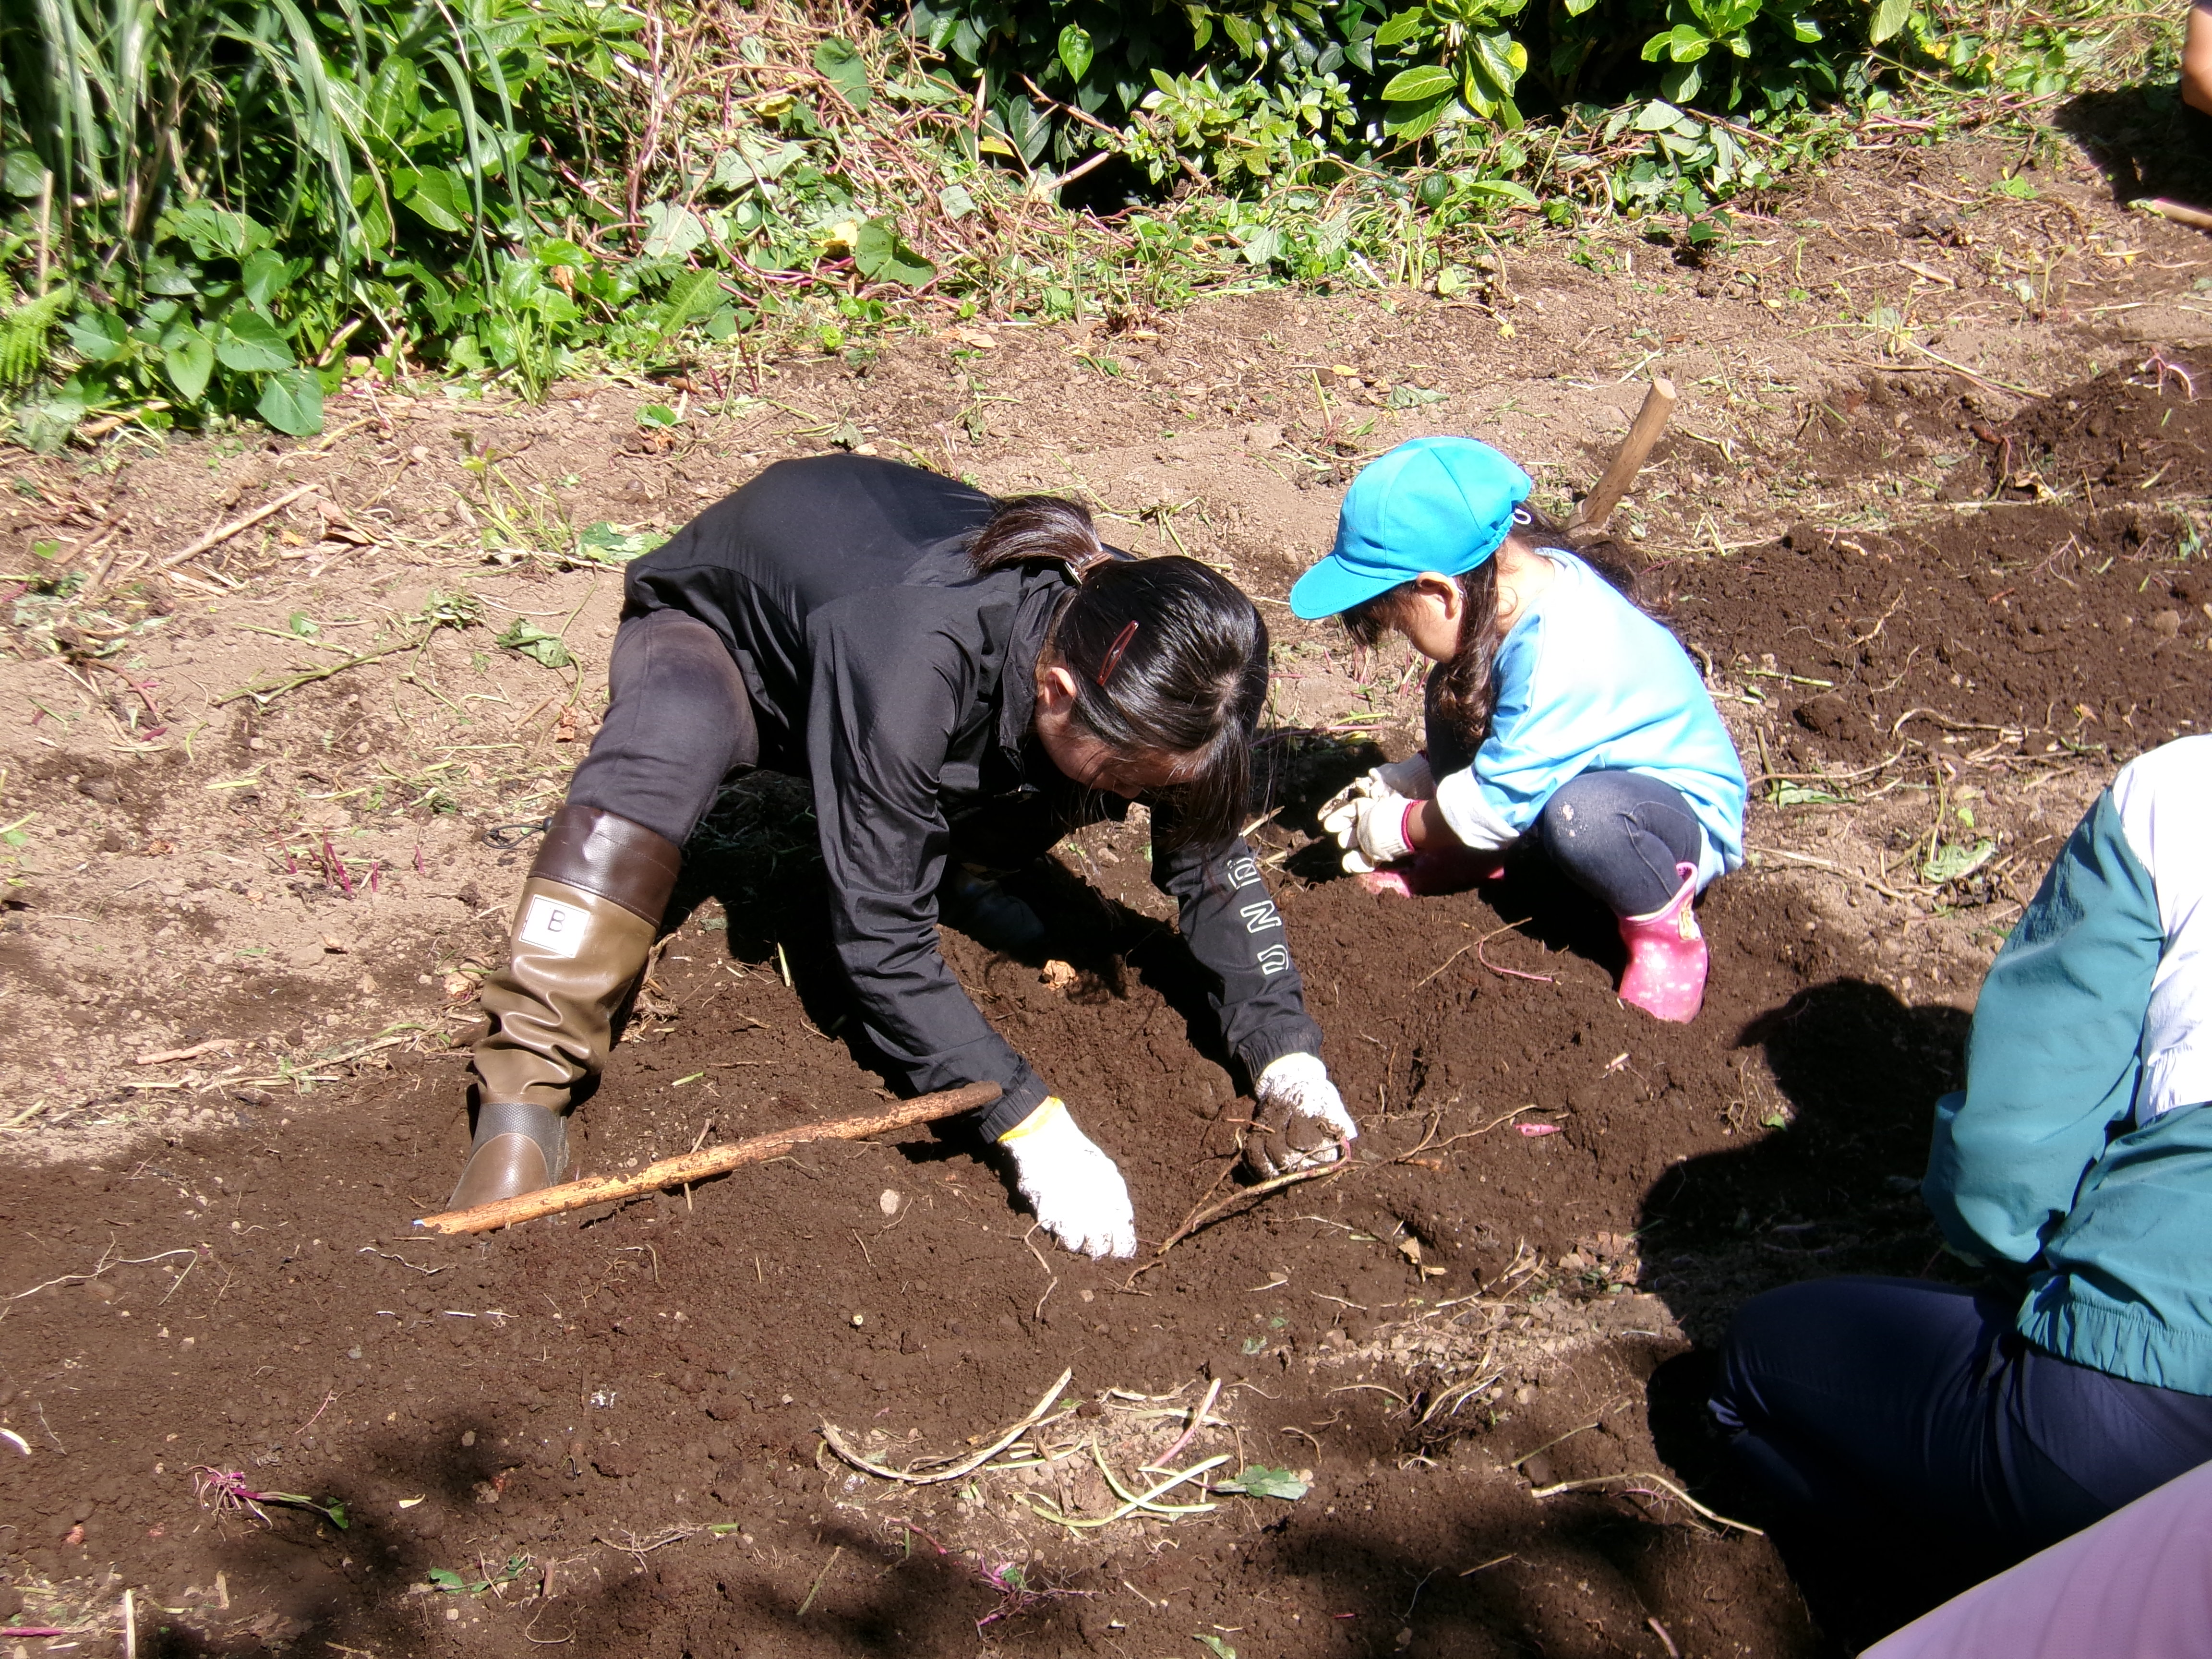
(963, 681)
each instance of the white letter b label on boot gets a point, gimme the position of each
(552, 925)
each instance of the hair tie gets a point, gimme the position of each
(1113, 653)
(1521, 516)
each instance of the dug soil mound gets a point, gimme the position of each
(2067, 614)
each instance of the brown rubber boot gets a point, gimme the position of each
(586, 919)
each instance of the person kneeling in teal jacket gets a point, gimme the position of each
(2080, 1153)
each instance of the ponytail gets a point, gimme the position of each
(1036, 530)
(1167, 656)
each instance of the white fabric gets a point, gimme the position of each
(1076, 1190)
(2164, 803)
(2137, 1585)
(1299, 1084)
(1465, 807)
(1410, 777)
(1371, 830)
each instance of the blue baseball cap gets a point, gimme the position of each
(1440, 504)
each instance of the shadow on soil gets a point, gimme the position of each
(2148, 142)
(1860, 1071)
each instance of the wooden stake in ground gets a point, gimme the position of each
(1589, 520)
(715, 1160)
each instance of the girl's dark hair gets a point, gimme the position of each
(1462, 693)
(1167, 657)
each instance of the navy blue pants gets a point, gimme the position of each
(1892, 1403)
(1620, 835)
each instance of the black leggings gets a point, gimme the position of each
(1621, 836)
(679, 722)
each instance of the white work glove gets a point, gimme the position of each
(1410, 777)
(1076, 1190)
(1371, 830)
(1301, 1122)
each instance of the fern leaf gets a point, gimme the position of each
(23, 333)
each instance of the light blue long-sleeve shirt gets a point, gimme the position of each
(1587, 682)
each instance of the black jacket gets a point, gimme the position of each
(902, 685)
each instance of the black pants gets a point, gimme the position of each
(1884, 1403)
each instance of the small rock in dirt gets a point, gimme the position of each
(2166, 623)
(1525, 1394)
(468, 1436)
(1537, 1470)
(334, 944)
(100, 789)
(1827, 714)
(889, 1203)
(617, 1461)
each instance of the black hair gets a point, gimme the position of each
(1168, 657)
(1462, 693)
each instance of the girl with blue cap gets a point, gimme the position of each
(1557, 711)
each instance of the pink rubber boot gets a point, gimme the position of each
(1666, 956)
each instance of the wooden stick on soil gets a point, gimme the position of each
(1590, 519)
(2195, 217)
(715, 1160)
(223, 532)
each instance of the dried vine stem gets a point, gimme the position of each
(967, 1465)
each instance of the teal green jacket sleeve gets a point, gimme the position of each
(2052, 1063)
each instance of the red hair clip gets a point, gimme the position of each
(1114, 653)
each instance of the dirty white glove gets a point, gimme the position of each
(1410, 777)
(1075, 1189)
(1301, 1122)
(1371, 830)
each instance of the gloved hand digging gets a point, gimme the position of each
(1410, 777)
(1371, 830)
(1301, 1122)
(1076, 1190)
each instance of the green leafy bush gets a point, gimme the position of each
(240, 185)
(221, 209)
(1244, 92)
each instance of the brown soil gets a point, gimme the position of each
(1557, 1200)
